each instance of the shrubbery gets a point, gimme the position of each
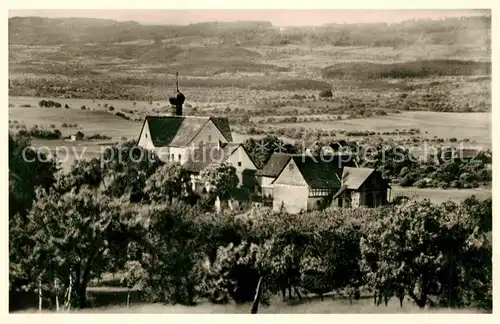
(122, 115)
(98, 137)
(49, 104)
(40, 133)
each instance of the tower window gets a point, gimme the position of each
(239, 163)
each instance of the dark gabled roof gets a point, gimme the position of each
(274, 165)
(320, 173)
(353, 178)
(179, 131)
(163, 129)
(201, 157)
(222, 124)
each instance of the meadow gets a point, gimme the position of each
(474, 126)
(438, 195)
(115, 303)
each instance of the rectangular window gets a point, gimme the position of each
(267, 193)
(239, 163)
(173, 157)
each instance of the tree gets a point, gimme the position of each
(480, 212)
(425, 250)
(28, 169)
(74, 235)
(261, 150)
(326, 94)
(169, 181)
(83, 173)
(126, 168)
(135, 277)
(221, 179)
(170, 248)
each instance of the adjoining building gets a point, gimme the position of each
(268, 174)
(233, 154)
(308, 182)
(361, 187)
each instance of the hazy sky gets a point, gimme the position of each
(277, 17)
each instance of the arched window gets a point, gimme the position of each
(173, 157)
(179, 157)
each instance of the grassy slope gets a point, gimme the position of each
(312, 305)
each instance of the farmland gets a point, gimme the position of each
(475, 127)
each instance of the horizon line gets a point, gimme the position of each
(277, 18)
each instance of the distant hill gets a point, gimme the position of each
(44, 31)
(425, 68)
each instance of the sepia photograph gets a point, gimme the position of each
(250, 161)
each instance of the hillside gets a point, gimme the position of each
(419, 68)
(44, 31)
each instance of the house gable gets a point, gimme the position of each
(145, 137)
(290, 175)
(245, 167)
(240, 159)
(209, 133)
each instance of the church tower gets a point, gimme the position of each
(177, 101)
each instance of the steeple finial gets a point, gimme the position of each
(177, 80)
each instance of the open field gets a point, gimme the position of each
(96, 119)
(115, 299)
(441, 195)
(475, 126)
(88, 121)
